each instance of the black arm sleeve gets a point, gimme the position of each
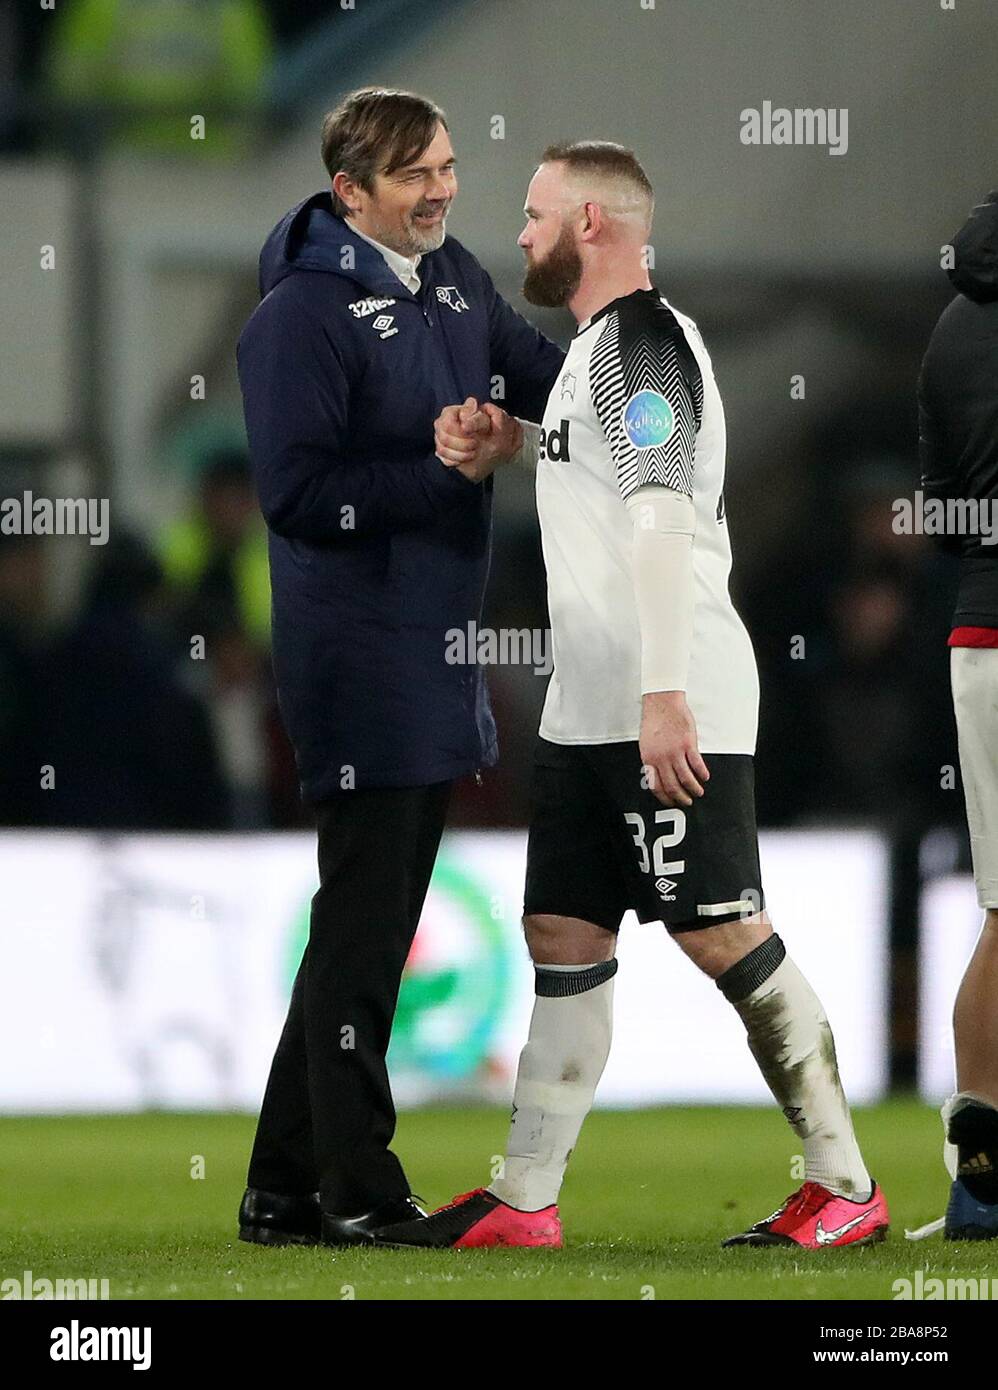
(938, 480)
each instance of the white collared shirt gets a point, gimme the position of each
(403, 266)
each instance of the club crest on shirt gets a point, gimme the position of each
(648, 419)
(452, 297)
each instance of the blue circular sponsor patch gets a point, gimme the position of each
(648, 419)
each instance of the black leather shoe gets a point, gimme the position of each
(280, 1218)
(359, 1230)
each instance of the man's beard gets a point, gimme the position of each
(423, 239)
(550, 283)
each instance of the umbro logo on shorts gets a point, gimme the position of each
(665, 887)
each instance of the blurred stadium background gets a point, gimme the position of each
(154, 899)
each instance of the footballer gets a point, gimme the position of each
(643, 792)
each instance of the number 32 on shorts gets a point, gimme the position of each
(657, 862)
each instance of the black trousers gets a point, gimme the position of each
(328, 1116)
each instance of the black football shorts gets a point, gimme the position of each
(601, 842)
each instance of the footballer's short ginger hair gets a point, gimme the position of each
(612, 170)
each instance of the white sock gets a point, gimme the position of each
(559, 1069)
(790, 1038)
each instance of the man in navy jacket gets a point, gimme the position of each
(372, 323)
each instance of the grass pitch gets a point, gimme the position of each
(648, 1199)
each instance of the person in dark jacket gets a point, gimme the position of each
(958, 434)
(372, 323)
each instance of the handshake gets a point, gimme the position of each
(474, 438)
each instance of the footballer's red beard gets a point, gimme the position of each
(552, 282)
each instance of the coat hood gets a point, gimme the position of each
(975, 247)
(312, 237)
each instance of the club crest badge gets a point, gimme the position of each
(452, 297)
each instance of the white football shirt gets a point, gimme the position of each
(636, 403)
